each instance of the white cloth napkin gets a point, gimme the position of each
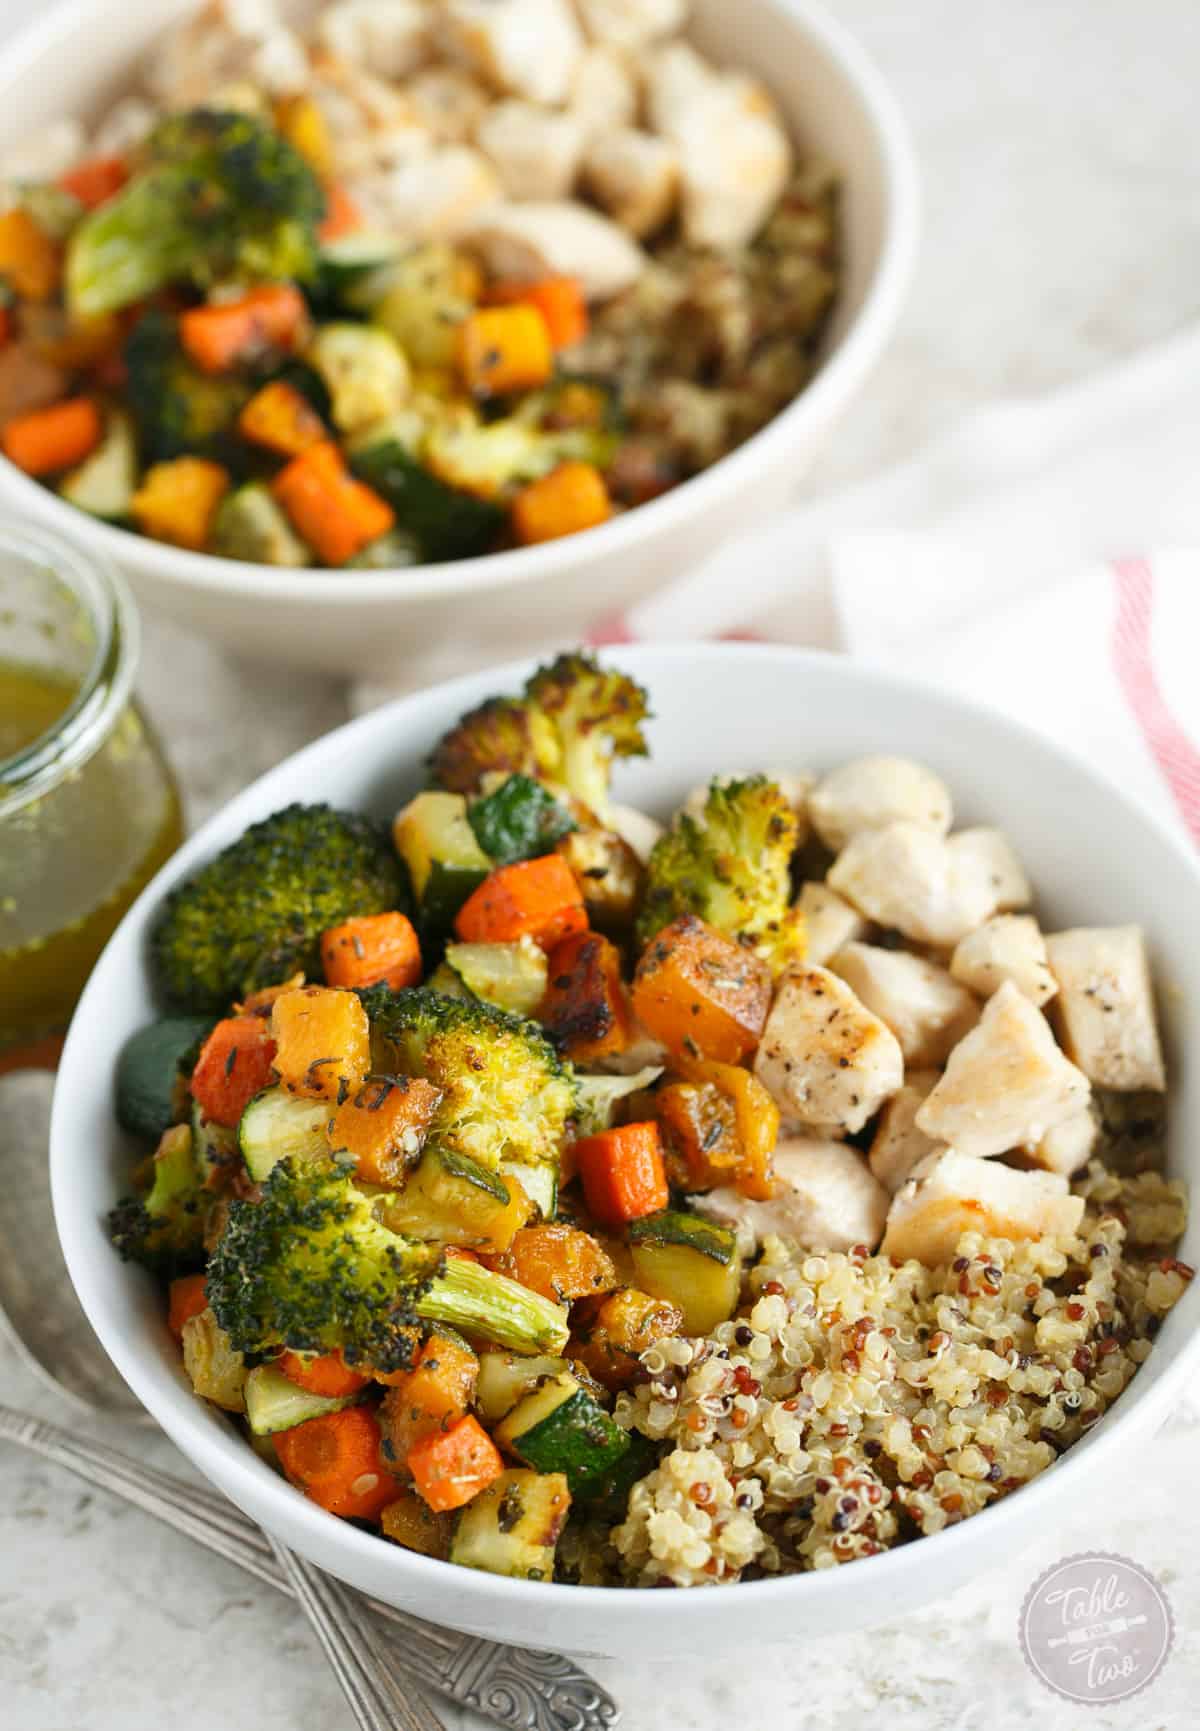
(1043, 557)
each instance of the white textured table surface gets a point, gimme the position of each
(1057, 142)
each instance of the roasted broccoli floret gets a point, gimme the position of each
(730, 867)
(506, 1094)
(311, 1268)
(164, 1229)
(214, 196)
(179, 410)
(597, 715)
(504, 736)
(572, 720)
(254, 915)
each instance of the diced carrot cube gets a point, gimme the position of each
(186, 1297)
(331, 510)
(450, 1467)
(235, 1064)
(342, 215)
(537, 898)
(47, 440)
(559, 299)
(336, 1461)
(623, 1173)
(323, 1373)
(220, 337)
(371, 950)
(94, 182)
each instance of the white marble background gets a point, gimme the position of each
(1058, 145)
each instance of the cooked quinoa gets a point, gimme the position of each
(854, 1403)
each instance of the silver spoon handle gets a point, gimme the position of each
(375, 1699)
(516, 1688)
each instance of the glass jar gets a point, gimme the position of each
(88, 807)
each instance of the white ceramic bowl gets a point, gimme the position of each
(1094, 857)
(75, 59)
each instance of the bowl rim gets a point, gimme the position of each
(839, 375)
(272, 1500)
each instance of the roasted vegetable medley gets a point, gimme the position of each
(396, 290)
(579, 1199)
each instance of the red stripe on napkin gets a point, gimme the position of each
(613, 628)
(1132, 646)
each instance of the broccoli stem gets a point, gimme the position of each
(474, 1299)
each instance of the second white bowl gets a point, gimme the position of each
(79, 55)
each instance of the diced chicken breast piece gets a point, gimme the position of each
(870, 792)
(635, 176)
(952, 1193)
(448, 102)
(903, 875)
(127, 123)
(524, 47)
(232, 53)
(525, 242)
(631, 24)
(897, 1146)
(604, 93)
(637, 829)
(829, 922)
(1009, 947)
(824, 1057)
(1105, 1007)
(926, 1010)
(1068, 1146)
(43, 152)
(535, 151)
(735, 153)
(990, 853)
(437, 196)
(826, 1198)
(391, 38)
(1006, 1084)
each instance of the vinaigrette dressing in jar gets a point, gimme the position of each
(88, 807)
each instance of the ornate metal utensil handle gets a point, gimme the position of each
(514, 1687)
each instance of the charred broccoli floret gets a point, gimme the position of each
(310, 1267)
(572, 720)
(506, 1094)
(213, 196)
(164, 1229)
(730, 867)
(179, 410)
(254, 915)
(504, 736)
(597, 714)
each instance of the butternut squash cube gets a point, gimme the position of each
(323, 1042)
